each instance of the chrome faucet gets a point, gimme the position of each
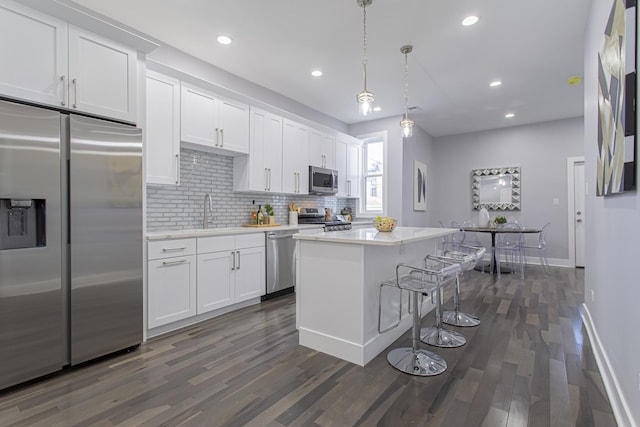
(208, 207)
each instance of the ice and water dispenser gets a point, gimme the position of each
(22, 223)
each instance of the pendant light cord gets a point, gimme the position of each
(406, 86)
(364, 45)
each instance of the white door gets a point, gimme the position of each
(162, 133)
(273, 152)
(102, 76)
(33, 48)
(257, 173)
(354, 160)
(234, 126)
(215, 281)
(341, 167)
(249, 273)
(579, 214)
(172, 290)
(295, 163)
(198, 116)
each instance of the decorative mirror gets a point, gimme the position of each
(496, 189)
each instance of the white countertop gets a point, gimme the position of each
(223, 231)
(371, 236)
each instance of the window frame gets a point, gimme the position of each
(374, 137)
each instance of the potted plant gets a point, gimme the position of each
(501, 220)
(270, 214)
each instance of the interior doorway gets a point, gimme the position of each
(576, 217)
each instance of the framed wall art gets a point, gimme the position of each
(419, 186)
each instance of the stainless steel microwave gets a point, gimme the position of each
(322, 181)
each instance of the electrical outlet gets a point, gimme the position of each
(593, 295)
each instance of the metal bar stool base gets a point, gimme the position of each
(458, 318)
(422, 363)
(439, 337)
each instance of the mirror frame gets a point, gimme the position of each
(476, 177)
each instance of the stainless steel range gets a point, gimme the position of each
(316, 216)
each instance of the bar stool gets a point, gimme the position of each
(420, 281)
(467, 257)
(436, 335)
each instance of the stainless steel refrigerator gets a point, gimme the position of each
(70, 240)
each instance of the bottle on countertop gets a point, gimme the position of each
(254, 218)
(260, 215)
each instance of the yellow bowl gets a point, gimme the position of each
(385, 225)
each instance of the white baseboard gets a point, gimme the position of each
(619, 404)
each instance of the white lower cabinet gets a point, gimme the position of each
(171, 274)
(231, 269)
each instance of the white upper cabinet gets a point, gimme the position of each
(33, 48)
(102, 76)
(261, 171)
(295, 158)
(348, 160)
(209, 121)
(45, 60)
(321, 149)
(162, 133)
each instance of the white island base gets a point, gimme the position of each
(338, 281)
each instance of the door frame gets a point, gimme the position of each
(571, 163)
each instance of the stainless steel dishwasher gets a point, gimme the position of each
(281, 268)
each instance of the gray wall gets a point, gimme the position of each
(418, 147)
(541, 150)
(613, 233)
(182, 207)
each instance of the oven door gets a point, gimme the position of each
(322, 181)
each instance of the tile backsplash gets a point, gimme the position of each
(181, 207)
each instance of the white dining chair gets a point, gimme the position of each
(541, 247)
(509, 244)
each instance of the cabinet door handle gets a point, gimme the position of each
(265, 179)
(63, 79)
(217, 136)
(177, 169)
(238, 266)
(180, 261)
(269, 179)
(221, 137)
(233, 263)
(176, 249)
(75, 93)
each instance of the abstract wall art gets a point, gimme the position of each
(616, 159)
(419, 186)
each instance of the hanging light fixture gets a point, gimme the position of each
(406, 124)
(365, 98)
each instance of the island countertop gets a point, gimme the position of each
(371, 236)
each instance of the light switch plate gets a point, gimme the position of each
(556, 202)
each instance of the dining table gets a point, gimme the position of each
(496, 230)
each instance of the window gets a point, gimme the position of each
(373, 155)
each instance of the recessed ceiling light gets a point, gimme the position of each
(495, 83)
(470, 20)
(376, 109)
(509, 116)
(316, 73)
(224, 40)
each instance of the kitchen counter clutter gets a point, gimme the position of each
(338, 275)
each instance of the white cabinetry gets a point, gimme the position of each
(348, 164)
(231, 269)
(162, 133)
(171, 275)
(321, 149)
(209, 121)
(295, 158)
(261, 171)
(48, 61)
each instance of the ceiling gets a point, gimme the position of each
(532, 46)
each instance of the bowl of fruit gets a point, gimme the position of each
(385, 224)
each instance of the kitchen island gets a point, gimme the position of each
(338, 288)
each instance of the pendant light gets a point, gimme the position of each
(406, 124)
(365, 98)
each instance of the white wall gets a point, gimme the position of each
(541, 151)
(418, 147)
(613, 233)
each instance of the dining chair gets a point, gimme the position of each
(541, 246)
(455, 239)
(509, 244)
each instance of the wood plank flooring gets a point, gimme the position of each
(528, 364)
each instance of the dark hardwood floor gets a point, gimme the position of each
(528, 364)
